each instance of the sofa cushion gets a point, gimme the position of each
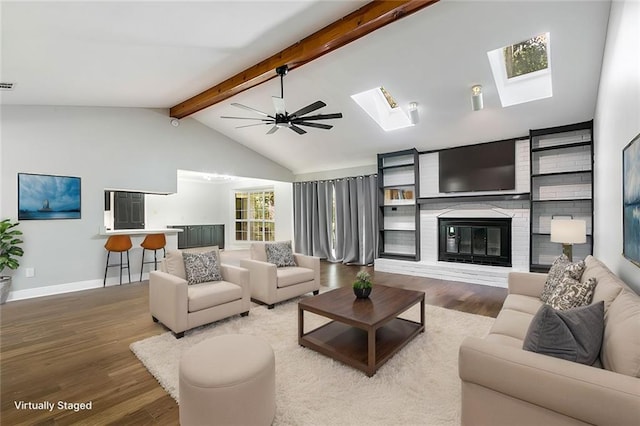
(293, 275)
(207, 295)
(280, 254)
(621, 344)
(561, 265)
(174, 264)
(257, 252)
(202, 267)
(609, 285)
(512, 323)
(522, 303)
(571, 293)
(573, 334)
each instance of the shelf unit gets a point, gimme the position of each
(561, 186)
(398, 210)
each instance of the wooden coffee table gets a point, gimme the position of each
(364, 333)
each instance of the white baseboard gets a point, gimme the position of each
(51, 290)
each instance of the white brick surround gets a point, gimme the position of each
(557, 187)
(429, 266)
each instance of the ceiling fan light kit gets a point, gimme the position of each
(281, 118)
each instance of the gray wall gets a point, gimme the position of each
(123, 148)
(617, 121)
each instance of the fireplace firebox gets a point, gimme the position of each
(483, 241)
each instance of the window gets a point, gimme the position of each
(522, 71)
(526, 57)
(382, 108)
(255, 215)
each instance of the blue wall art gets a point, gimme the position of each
(631, 200)
(48, 197)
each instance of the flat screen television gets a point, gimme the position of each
(484, 167)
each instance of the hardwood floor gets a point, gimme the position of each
(74, 348)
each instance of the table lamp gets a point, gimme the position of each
(568, 232)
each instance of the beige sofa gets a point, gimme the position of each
(181, 307)
(270, 284)
(502, 384)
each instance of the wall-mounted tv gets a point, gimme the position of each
(483, 167)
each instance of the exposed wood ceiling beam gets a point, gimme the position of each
(357, 24)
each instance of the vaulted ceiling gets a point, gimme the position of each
(158, 54)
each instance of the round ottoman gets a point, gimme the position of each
(228, 380)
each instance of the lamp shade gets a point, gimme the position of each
(568, 231)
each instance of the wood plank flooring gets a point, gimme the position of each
(75, 348)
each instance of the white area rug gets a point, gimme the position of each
(418, 386)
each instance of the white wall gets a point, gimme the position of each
(204, 202)
(195, 203)
(617, 121)
(283, 193)
(123, 148)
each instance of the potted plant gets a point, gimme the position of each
(9, 250)
(362, 285)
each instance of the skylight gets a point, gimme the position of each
(522, 71)
(384, 110)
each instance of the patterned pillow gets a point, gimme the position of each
(280, 254)
(560, 265)
(571, 293)
(201, 267)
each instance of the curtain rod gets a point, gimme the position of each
(338, 179)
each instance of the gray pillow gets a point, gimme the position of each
(571, 293)
(201, 267)
(280, 254)
(574, 334)
(558, 268)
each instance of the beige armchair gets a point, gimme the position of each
(270, 284)
(181, 307)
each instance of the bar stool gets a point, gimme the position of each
(117, 244)
(153, 242)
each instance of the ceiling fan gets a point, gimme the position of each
(282, 118)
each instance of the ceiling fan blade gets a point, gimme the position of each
(278, 105)
(247, 118)
(251, 125)
(309, 108)
(251, 109)
(273, 130)
(319, 117)
(297, 129)
(318, 125)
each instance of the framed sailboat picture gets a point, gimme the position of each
(42, 197)
(631, 200)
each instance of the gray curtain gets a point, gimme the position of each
(304, 205)
(355, 219)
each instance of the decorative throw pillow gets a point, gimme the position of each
(574, 334)
(280, 254)
(559, 266)
(201, 267)
(571, 293)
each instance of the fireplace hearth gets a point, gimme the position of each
(482, 241)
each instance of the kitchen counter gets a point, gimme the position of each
(107, 233)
